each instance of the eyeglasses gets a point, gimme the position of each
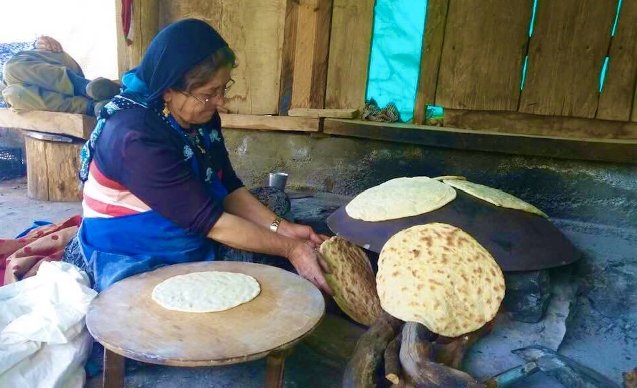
(205, 98)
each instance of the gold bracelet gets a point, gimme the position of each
(274, 226)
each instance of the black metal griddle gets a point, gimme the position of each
(519, 241)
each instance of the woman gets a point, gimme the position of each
(159, 187)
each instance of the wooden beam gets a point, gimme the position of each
(333, 113)
(270, 123)
(70, 124)
(350, 47)
(433, 38)
(311, 52)
(538, 125)
(608, 150)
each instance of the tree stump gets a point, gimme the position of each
(52, 170)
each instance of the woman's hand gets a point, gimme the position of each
(301, 232)
(310, 265)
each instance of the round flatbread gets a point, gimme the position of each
(494, 196)
(440, 276)
(352, 280)
(204, 292)
(400, 197)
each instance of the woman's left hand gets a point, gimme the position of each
(301, 232)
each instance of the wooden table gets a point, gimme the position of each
(126, 320)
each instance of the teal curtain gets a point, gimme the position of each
(395, 55)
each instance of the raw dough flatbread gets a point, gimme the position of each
(440, 276)
(400, 197)
(204, 292)
(494, 196)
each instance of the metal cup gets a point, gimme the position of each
(278, 180)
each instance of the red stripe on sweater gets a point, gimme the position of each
(103, 180)
(108, 209)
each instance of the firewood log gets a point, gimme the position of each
(392, 363)
(361, 370)
(416, 360)
(451, 351)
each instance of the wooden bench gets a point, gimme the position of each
(52, 151)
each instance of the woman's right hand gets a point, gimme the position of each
(310, 265)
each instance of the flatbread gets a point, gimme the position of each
(438, 275)
(352, 280)
(494, 196)
(400, 197)
(204, 292)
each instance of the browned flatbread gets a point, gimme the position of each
(440, 276)
(351, 279)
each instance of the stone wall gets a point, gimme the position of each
(595, 192)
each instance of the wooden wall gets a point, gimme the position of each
(315, 54)
(473, 54)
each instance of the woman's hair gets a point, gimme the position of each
(204, 70)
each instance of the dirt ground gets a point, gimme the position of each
(17, 211)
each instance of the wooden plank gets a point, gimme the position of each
(270, 123)
(71, 124)
(608, 150)
(287, 56)
(311, 51)
(433, 37)
(255, 31)
(616, 99)
(350, 46)
(524, 123)
(566, 52)
(482, 54)
(334, 113)
(206, 10)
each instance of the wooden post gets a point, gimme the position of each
(144, 25)
(310, 53)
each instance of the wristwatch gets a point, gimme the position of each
(274, 226)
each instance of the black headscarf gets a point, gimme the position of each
(174, 51)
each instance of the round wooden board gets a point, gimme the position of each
(125, 319)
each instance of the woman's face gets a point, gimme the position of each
(198, 105)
